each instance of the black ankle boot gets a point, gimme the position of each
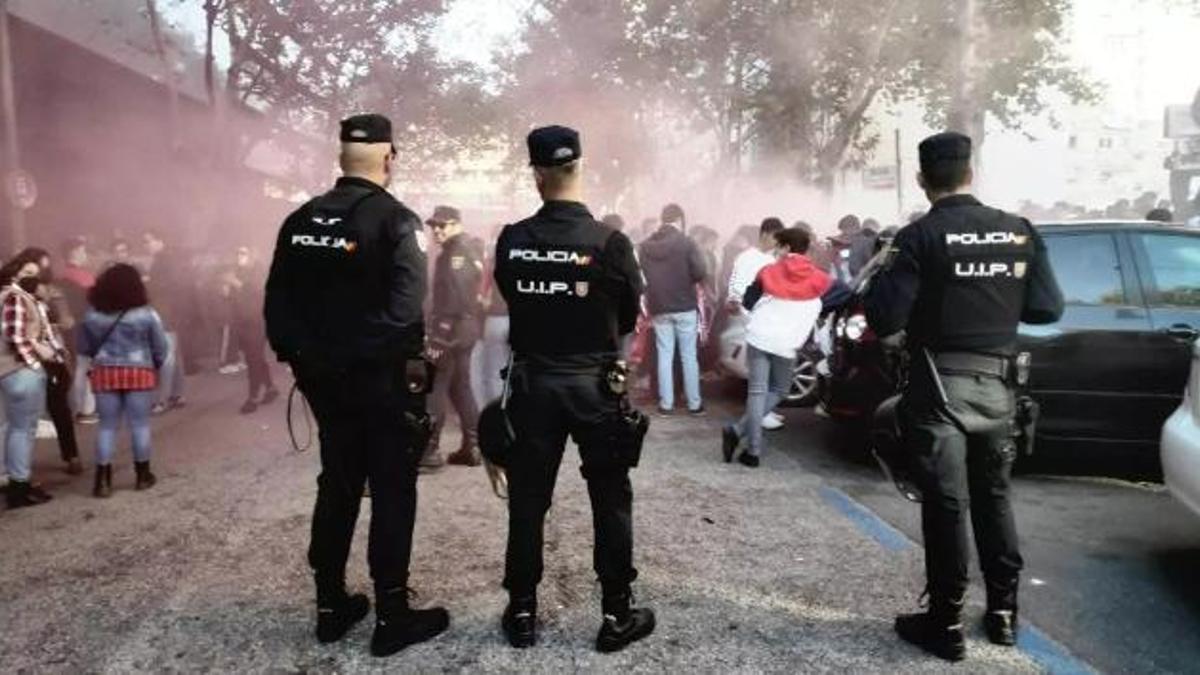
(1000, 621)
(623, 625)
(938, 631)
(520, 621)
(22, 493)
(398, 626)
(338, 611)
(145, 479)
(103, 485)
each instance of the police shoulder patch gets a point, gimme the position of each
(422, 240)
(457, 262)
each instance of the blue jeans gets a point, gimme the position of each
(134, 406)
(682, 328)
(83, 401)
(769, 379)
(24, 400)
(171, 373)
(494, 356)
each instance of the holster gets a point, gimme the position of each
(414, 381)
(623, 431)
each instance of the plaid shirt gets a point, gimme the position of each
(16, 328)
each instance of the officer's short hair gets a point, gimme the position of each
(556, 176)
(770, 226)
(946, 174)
(794, 239)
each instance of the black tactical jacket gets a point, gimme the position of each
(572, 285)
(962, 278)
(348, 279)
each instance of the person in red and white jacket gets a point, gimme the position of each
(784, 303)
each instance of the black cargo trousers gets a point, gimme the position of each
(545, 409)
(962, 456)
(364, 439)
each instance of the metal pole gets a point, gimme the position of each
(899, 180)
(8, 107)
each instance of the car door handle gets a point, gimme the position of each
(1182, 331)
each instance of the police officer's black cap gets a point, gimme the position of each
(444, 214)
(553, 146)
(369, 128)
(949, 146)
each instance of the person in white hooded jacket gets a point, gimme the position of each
(784, 303)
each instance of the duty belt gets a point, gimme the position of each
(973, 364)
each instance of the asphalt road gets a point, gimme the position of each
(782, 569)
(1112, 566)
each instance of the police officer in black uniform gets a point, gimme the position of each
(572, 286)
(344, 309)
(960, 281)
(455, 318)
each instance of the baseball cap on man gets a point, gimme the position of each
(368, 128)
(443, 215)
(949, 146)
(553, 146)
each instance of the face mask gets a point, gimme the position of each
(29, 284)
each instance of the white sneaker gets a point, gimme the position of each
(772, 421)
(3, 480)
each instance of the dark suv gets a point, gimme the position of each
(1114, 368)
(1110, 372)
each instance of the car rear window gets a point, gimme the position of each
(1174, 269)
(1087, 268)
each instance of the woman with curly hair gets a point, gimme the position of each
(124, 338)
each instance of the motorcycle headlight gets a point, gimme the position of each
(856, 327)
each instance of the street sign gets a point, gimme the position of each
(21, 189)
(879, 178)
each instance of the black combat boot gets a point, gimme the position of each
(145, 479)
(22, 493)
(103, 485)
(520, 621)
(398, 626)
(1000, 622)
(337, 610)
(938, 630)
(623, 625)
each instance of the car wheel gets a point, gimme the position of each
(804, 381)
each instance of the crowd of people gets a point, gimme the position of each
(1146, 206)
(695, 284)
(93, 337)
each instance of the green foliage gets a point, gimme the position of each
(789, 81)
(312, 62)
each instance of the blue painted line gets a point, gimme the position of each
(871, 525)
(1049, 654)
(1032, 642)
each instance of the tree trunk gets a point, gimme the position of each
(160, 50)
(966, 114)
